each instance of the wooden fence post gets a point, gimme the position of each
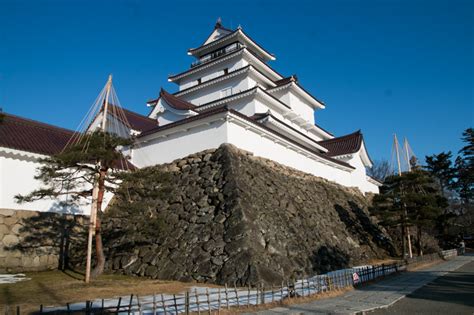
(281, 292)
(154, 304)
(175, 304)
(130, 303)
(236, 295)
(118, 304)
(219, 300)
(208, 301)
(226, 296)
(248, 297)
(139, 306)
(186, 303)
(197, 300)
(163, 302)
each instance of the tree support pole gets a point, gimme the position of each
(92, 220)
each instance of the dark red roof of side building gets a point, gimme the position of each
(32, 136)
(136, 121)
(347, 144)
(36, 137)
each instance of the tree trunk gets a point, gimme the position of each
(99, 249)
(404, 241)
(419, 242)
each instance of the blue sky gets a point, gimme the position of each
(385, 67)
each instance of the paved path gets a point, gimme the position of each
(452, 294)
(378, 295)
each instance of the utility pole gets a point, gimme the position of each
(95, 190)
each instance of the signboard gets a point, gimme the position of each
(355, 278)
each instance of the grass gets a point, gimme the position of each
(58, 288)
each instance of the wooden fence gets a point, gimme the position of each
(212, 300)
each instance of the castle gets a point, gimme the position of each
(230, 94)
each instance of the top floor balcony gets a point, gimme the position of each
(217, 53)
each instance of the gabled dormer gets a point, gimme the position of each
(302, 103)
(167, 108)
(218, 32)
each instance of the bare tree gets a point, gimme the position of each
(380, 170)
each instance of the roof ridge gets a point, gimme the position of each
(35, 123)
(342, 137)
(172, 99)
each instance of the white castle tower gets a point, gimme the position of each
(231, 94)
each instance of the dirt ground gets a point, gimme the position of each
(58, 288)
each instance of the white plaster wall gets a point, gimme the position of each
(213, 71)
(298, 105)
(301, 107)
(267, 148)
(17, 177)
(282, 95)
(181, 144)
(214, 92)
(167, 117)
(359, 176)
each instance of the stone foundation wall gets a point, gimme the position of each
(36, 241)
(225, 216)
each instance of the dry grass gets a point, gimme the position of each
(414, 267)
(58, 288)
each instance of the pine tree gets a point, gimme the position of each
(464, 181)
(411, 199)
(440, 167)
(93, 158)
(464, 166)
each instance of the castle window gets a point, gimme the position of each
(226, 92)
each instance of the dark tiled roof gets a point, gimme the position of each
(32, 136)
(36, 137)
(259, 116)
(192, 50)
(173, 101)
(135, 120)
(347, 144)
(286, 80)
(184, 121)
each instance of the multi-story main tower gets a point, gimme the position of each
(230, 94)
